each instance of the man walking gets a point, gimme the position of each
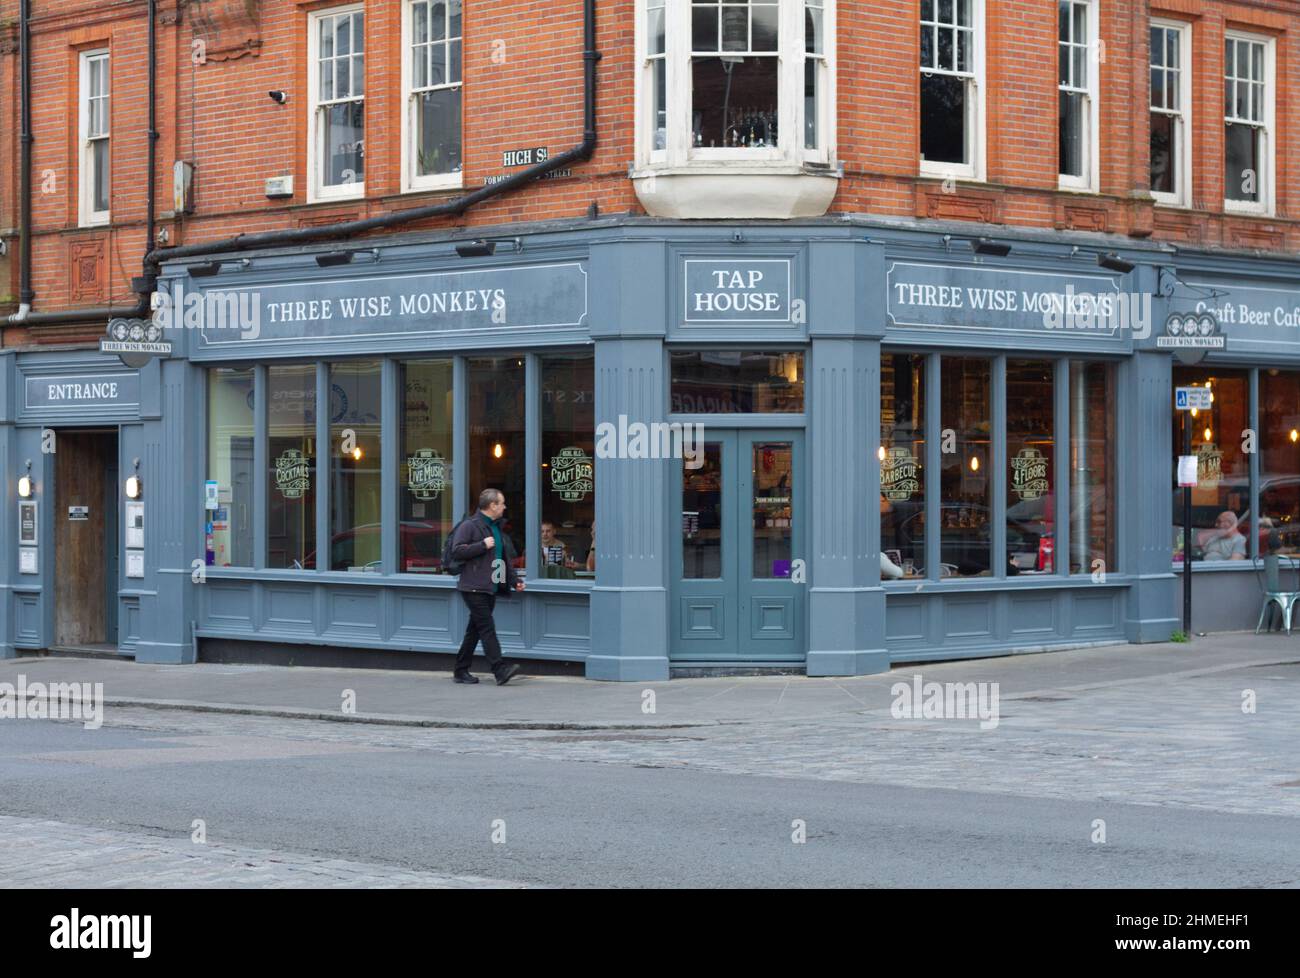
(487, 556)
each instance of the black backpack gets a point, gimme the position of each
(450, 566)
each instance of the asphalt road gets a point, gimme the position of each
(568, 822)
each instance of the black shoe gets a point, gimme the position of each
(465, 677)
(506, 674)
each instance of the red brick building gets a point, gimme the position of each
(852, 322)
(522, 87)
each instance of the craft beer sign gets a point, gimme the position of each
(737, 291)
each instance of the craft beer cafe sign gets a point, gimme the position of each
(746, 291)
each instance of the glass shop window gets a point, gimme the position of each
(965, 523)
(1279, 462)
(948, 79)
(356, 528)
(496, 440)
(1093, 510)
(734, 73)
(291, 475)
(568, 477)
(1221, 498)
(1031, 460)
(425, 469)
(736, 382)
(228, 505)
(902, 465)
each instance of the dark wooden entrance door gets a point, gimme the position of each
(84, 516)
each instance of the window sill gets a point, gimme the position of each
(709, 189)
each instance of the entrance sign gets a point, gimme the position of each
(76, 392)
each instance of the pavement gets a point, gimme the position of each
(429, 699)
(1158, 765)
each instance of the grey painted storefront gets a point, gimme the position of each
(626, 291)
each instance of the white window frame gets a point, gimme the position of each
(411, 181)
(678, 151)
(1268, 151)
(316, 188)
(976, 113)
(87, 216)
(1089, 181)
(1182, 195)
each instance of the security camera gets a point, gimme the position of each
(280, 97)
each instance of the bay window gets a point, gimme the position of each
(951, 63)
(433, 81)
(1248, 124)
(336, 121)
(1077, 119)
(739, 88)
(1171, 107)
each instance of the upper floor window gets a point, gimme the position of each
(951, 67)
(1171, 109)
(336, 143)
(1077, 122)
(1248, 124)
(433, 83)
(733, 80)
(94, 125)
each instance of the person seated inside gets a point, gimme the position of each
(1225, 541)
(556, 561)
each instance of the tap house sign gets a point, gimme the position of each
(900, 475)
(1029, 474)
(737, 291)
(573, 474)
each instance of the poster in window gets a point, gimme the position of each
(1029, 474)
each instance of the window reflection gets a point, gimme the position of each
(497, 410)
(965, 541)
(1031, 460)
(425, 473)
(902, 465)
(1221, 497)
(291, 457)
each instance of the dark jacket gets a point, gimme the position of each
(467, 546)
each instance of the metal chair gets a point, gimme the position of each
(1268, 572)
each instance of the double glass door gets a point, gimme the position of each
(740, 581)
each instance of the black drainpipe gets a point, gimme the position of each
(25, 294)
(269, 239)
(141, 307)
(293, 236)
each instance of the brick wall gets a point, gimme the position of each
(523, 74)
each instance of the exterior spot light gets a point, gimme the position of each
(278, 97)
(205, 269)
(134, 487)
(331, 258)
(497, 450)
(476, 249)
(1112, 261)
(25, 482)
(987, 246)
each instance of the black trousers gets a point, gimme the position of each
(481, 627)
